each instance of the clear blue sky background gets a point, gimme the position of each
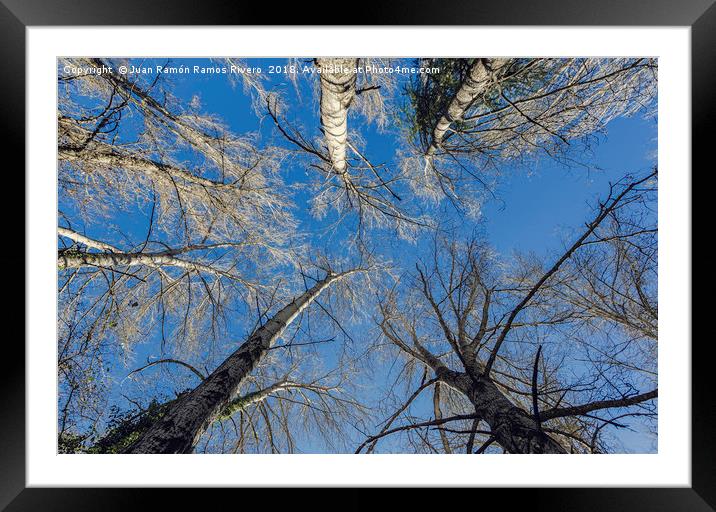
(532, 211)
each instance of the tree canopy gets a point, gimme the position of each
(317, 256)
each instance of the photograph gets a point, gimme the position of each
(357, 255)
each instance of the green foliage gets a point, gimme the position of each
(428, 96)
(70, 443)
(123, 429)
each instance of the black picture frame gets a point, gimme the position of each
(17, 15)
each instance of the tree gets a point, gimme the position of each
(350, 186)
(209, 199)
(180, 233)
(480, 113)
(338, 88)
(456, 313)
(180, 427)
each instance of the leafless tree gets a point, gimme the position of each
(479, 113)
(517, 355)
(534, 359)
(347, 182)
(180, 427)
(209, 200)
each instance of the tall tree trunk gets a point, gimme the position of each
(111, 443)
(477, 82)
(100, 154)
(513, 428)
(338, 81)
(68, 259)
(180, 428)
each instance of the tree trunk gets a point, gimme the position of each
(476, 83)
(105, 155)
(68, 259)
(438, 416)
(513, 428)
(338, 80)
(180, 428)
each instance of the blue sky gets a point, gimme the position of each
(532, 211)
(531, 205)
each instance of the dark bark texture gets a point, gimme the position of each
(513, 428)
(180, 428)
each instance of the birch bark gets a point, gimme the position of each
(104, 155)
(338, 81)
(156, 259)
(476, 83)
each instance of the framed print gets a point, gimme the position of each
(426, 249)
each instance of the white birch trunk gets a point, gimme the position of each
(104, 155)
(93, 244)
(476, 83)
(338, 80)
(242, 402)
(67, 260)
